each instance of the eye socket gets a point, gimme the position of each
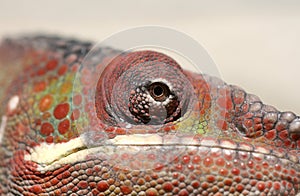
(159, 91)
(135, 88)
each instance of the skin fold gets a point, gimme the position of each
(134, 123)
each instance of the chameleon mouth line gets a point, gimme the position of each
(2, 127)
(76, 151)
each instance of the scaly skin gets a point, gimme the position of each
(109, 134)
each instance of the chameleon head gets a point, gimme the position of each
(146, 100)
(139, 124)
(183, 130)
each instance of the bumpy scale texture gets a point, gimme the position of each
(71, 129)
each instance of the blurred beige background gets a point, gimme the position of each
(256, 44)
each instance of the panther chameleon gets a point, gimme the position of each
(134, 123)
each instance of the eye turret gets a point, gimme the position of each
(145, 87)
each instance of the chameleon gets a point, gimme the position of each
(134, 123)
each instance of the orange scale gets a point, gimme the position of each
(83, 184)
(202, 112)
(49, 139)
(61, 110)
(223, 172)
(37, 122)
(207, 98)
(173, 127)
(229, 105)
(220, 162)
(39, 86)
(64, 126)
(37, 189)
(271, 135)
(206, 105)
(52, 64)
(102, 186)
(283, 135)
(62, 70)
(167, 128)
(288, 144)
(109, 129)
(45, 103)
(41, 72)
(46, 129)
(258, 127)
(183, 192)
(66, 88)
(248, 123)
(276, 186)
(240, 188)
(120, 131)
(186, 159)
(46, 115)
(168, 187)
(210, 178)
(238, 99)
(205, 185)
(208, 161)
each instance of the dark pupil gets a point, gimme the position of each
(158, 91)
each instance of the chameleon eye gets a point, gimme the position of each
(146, 87)
(159, 91)
(155, 102)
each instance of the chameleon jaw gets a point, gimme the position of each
(76, 150)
